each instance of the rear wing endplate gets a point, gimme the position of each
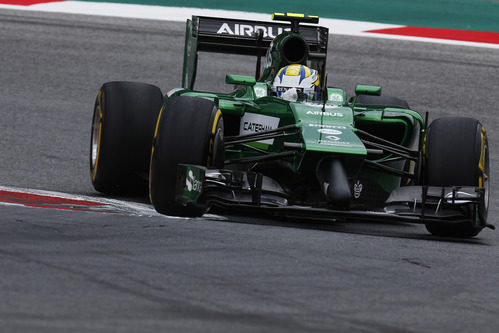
(244, 37)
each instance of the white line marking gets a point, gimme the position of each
(129, 208)
(180, 14)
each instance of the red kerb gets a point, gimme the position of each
(450, 34)
(46, 201)
(26, 2)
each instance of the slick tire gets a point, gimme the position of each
(457, 154)
(189, 130)
(122, 130)
(381, 101)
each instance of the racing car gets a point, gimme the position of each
(285, 143)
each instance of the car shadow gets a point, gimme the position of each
(390, 229)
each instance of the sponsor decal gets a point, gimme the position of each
(260, 92)
(357, 189)
(335, 143)
(326, 113)
(332, 135)
(336, 97)
(192, 183)
(252, 123)
(321, 105)
(330, 140)
(248, 30)
(329, 131)
(327, 126)
(255, 127)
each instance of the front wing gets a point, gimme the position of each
(249, 193)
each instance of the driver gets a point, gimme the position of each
(295, 82)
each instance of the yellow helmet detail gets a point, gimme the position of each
(305, 80)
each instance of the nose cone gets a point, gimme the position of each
(336, 186)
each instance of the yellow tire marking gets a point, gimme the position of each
(481, 161)
(213, 132)
(215, 122)
(152, 149)
(157, 121)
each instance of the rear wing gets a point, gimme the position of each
(244, 37)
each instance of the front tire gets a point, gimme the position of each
(189, 130)
(122, 130)
(457, 154)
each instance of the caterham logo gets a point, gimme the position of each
(256, 127)
(248, 30)
(252, 123)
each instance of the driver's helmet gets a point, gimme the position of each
(304, 80)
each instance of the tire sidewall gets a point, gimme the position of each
(127, 112)
(455, 154)
(184, 135)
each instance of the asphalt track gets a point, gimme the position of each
(91, 272)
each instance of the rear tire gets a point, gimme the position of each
(457, 154)
(122, 130)
(189, 130)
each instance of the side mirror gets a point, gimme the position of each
(362, 89)
(240, 80)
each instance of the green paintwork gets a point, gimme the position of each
(242, 80)
(190, 57)
(362, 89)
(325, 128)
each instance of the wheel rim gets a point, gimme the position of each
(96, 135)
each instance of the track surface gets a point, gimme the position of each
(66, 271)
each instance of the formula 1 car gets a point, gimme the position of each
(287, 151)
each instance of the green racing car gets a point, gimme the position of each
(284, 143)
